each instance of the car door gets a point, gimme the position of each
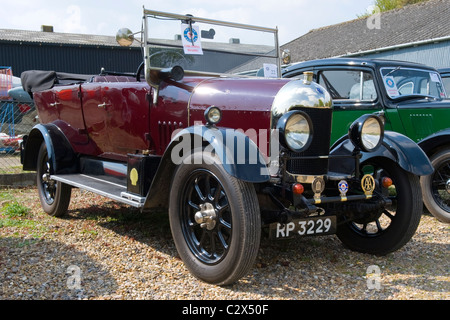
(95, 115)
(117, 117)
(128, 117)
(63, 107)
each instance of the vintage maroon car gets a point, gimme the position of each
(228, 155)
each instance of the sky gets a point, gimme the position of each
(293, 18)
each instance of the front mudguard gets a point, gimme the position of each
(236, 152)
(396, 147)
(61, 156)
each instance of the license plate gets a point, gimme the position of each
(313, 226)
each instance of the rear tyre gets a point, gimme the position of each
(436, 187)
(389, 228)
(215, 220)
(53, 195)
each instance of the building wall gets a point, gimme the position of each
(64, 58)
(433, 54)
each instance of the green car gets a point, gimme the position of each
(411, 99)
(445, 75)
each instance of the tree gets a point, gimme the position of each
(386, 5)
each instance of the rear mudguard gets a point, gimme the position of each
(396, 147)
(236, 152)
(60, 153)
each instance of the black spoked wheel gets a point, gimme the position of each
(387, 228)
(436, 187)
(53, 195)
(215, 221)
(206, 217)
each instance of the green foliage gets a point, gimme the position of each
(15, 209)
(386, 5)
(11, 211)
(19, 223)
(15, 215)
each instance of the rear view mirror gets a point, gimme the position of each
(286, 56)
(124, 37)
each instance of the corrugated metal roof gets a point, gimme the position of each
(65, 52)
(412, 23)
(58, 38)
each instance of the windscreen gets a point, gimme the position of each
(400, 82)
(210, 46)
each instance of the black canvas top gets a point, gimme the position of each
(39, 80)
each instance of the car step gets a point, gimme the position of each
(112, 190)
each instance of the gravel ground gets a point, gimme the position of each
(103, 250)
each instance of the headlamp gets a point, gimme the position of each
(367, 132)
(213, 115)
(295, 128)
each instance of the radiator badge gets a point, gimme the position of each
(343, 187)
(368, 184)
(317, 186)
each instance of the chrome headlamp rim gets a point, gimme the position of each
(285, 121)
(213, 115)
(364, 132)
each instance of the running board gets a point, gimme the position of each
(112, 190)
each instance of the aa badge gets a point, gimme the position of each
(368, 184)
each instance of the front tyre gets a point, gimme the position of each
(53, 195)
(388, 228)
(436, 187)
(215, 220)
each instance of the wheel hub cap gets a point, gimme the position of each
(447, 186)
(206, 217)
(46, 177)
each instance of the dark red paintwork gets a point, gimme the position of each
(171, 111)
(245, 104)
(100, 119)
(112, 119)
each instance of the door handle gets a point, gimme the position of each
(103, 105)
(379, 113)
